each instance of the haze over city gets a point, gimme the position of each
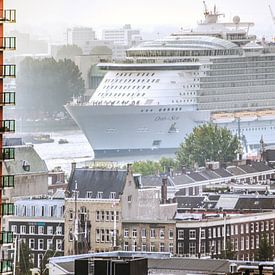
(51, 18)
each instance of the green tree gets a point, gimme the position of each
(25, 263)
(265, 251)
(146, 167)
(46, 85)
(68, 52)
(208, 142)
(167, 163)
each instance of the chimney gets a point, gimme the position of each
(164, 190)
(129, 168)
(73, 166)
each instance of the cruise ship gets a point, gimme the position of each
(148, 103)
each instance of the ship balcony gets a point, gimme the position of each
(7, 154)
(6, 266)
(6, 237)
(7, 43)
(7, 71)
(7, 126)
(8, 98)
(7, 181)
(7, 209)
(7, 16)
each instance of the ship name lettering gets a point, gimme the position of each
(163, 118)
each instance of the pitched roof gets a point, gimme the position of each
(152, 181)
(25, 155)
(235, 170)
(196, 176)
(222, 172)
(95, 181)
(182, 179)
(190, 201)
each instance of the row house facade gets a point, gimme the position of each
(40, 224)
(154, 236)
(241, 234)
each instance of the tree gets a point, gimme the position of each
(48, 254)
(265, 250)
(208, 142)
(68, 52)
(46, 85)
(25, 263)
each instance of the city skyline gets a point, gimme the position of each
(52, 17)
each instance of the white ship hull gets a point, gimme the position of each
(125, 130)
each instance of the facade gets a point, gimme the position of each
(40, 224)
(7, 126)
(93, 211)
(205, 235)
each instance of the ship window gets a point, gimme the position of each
(125, 80)
(180, 109)
(176, 109)
(146, 110)
(133, 80)
(138, 80)
(143, 94)
(142, 80)
(168, 109)
(148, 80)
(133, 94)
(130, 74)
(143, 87)
(143, 74)
(125, 74)
(115, 94)
(124, 87)
(157, 80)
(151, 110)
(153, 80)
(172, 109)
(172, 101)
(148, 87)
(141, 110)
(133, 87)
(147, 74)
(164, 110)
(123, 94)
(120, 87)
(152, 74)
(138, 74)
(138, 87)
(129, 80)
(128, 94)
(160, 110)
(138, 94)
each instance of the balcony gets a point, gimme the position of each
(8, 16)
(7, 126)
(7, 181)
(6, 266)
(7, 154)
(7, 209)
(7, 71)
(8, 98)
(7, 43)
(6, 237)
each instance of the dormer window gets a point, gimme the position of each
(112, 195)
(89, 194)
(99, 195)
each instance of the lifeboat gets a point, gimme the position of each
(246, 116)
(222, 117)
(266, 115)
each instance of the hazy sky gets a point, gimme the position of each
(52, 16)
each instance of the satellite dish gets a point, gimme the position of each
(236, 19)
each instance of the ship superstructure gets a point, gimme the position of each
(152, 100)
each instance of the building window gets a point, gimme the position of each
(112, 195)
(112, 215)
(202, 233)
(108, 235)
(58, 245)
(49, 230)
(192, 248)
(49, 244)
(181, 234)
(97, 216)
(171, 234)
(161, 234)
(192, 234)
(58, 230)
(23, 229)
(39, 259)
(102, 215)
(252, 242)
(252, 227)
(126, 246)
(161, 247)
(152, 247)
(97, 236)
(242, 243)
(40, 244)
(102, 235)
(247, 242)
(171, 248)
(71, 215)
(99, 195)
(126, 232)
(107, 216)
(143, 233)
(257, 241)
(14, 228)
(152, 233)
(180, 248)
(89, 194)
(31, 244)
(143, 247)
(129, 199)
(134, 233)
(256, 227)
(31, 229)
(40, 230)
